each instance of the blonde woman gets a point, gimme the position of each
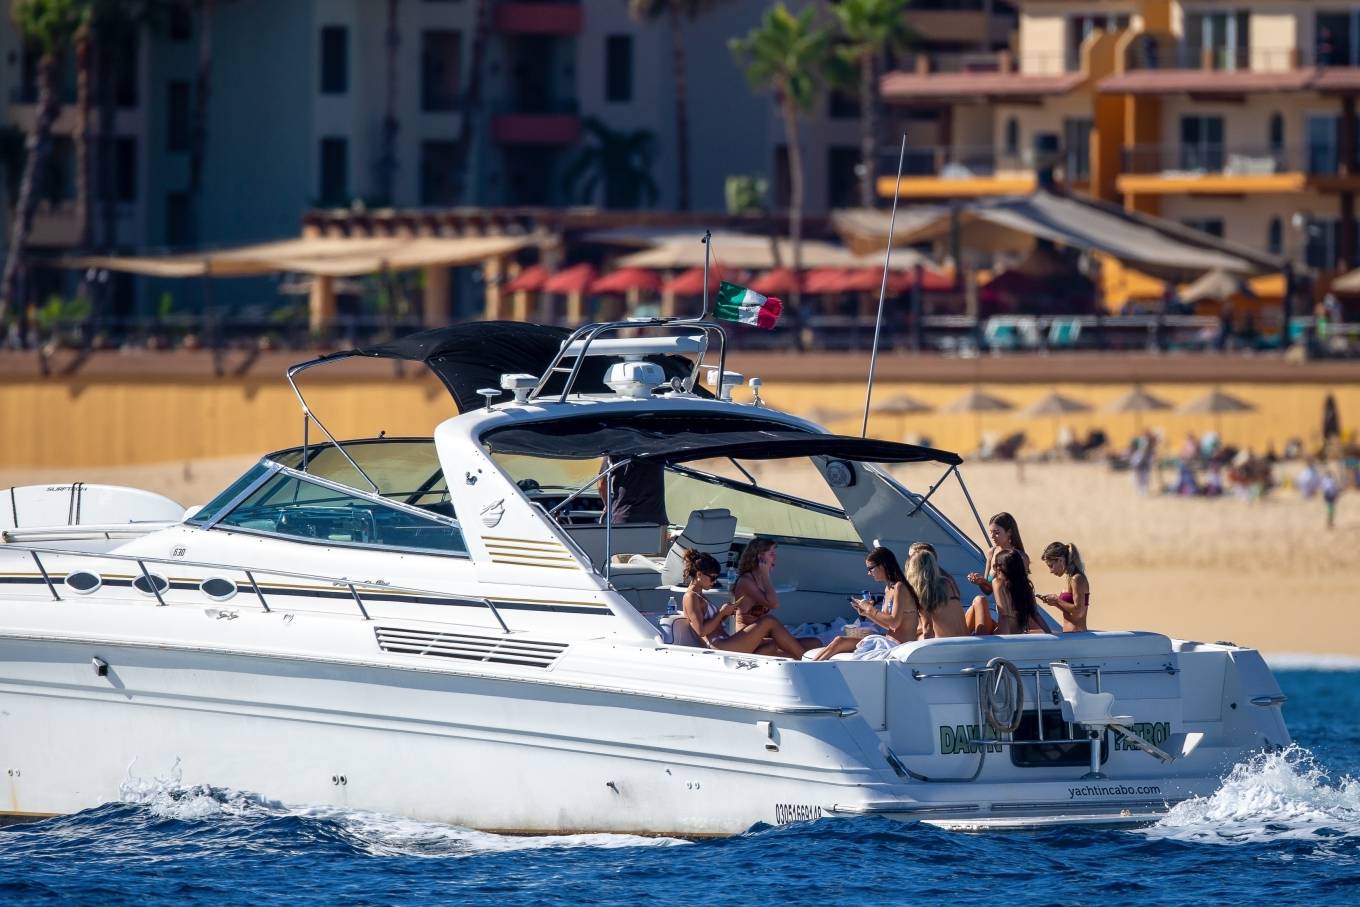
(955, 597)
(1063, 559)
(940, 607)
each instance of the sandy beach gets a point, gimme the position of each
(1265, 573)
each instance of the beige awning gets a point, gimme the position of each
(742, 251)
(320, 256)
(1156, 246)
(1348, 282)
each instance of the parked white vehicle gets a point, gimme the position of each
(444, 628)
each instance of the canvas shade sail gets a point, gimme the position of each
(1215, 286)
(319, 256)
(749, 252)
(776, 282)
(1155, 246)
(691, 282)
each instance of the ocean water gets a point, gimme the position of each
(1283, 827)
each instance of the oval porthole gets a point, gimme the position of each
(83, 582)
(150, 584)
(217, 588)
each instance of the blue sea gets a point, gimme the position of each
(1283, 827)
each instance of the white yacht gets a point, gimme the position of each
(453, 627)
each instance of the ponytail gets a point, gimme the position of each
(1070, 555)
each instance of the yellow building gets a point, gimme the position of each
(1236, 117)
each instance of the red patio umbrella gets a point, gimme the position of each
(825, 280)
(529, 280)
(691, 282)
(576, 279)
(627, 279)
(776, 282)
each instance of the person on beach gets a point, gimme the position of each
(1016, 607)
(1331, 490)
(937, 595)
(1005, 535)
(1063, 559)
(899, 616)
(754, 586)
(766, 636)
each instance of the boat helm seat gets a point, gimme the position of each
(709, 530)
(1090, 710)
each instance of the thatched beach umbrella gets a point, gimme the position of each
(1138, 401)
(1216, 403)
(902, 405)
(824, 414)
(1056, 405)
(977, 402)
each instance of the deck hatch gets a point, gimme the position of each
(469, 647)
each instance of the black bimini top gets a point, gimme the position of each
(474, 355)
(683, 437)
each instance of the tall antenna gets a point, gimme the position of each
(708, 248)
(883, 289)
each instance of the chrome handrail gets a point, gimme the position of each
(342, 582)
(588, 333)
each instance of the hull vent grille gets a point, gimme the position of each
(495, 649)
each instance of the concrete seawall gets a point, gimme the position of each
(123, 409)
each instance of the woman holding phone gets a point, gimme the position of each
(1063, 559)
(766, 636)
(1005, 535)
(899, 617)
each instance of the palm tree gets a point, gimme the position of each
(787, 55)
(620, 161)
(49, 26)
(84, 49)
(869, 28)
(677, 11)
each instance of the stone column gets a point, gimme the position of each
(321, 304)
(435, 309)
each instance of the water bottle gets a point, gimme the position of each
(672, 607)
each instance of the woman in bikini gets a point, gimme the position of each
(766, 636)
(754, 588)
(1005, 535)
(1063, 559)
(899, 617)
(936, 595)
(1016, 607)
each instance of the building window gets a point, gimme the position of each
(1321, 245)
(1276, 135)
(177, 116)
(618, 68)
(1321, 131)
(842, 182)
(437, 184)
(1224, 38)
(1275, 237)
(1337, 38)
(334, 181)
(1012, 137)
(181, 24)
(1077, 148)
(177, 218)
(60, 184)
(334, 59)
(125, 70)
(1211, 225)
(440, 65)
(125, 168)
(1079, 28)
(1202, 143)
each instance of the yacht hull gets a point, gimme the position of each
(501, 754)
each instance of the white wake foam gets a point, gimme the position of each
(384, 835)
(1272, 796)
(167, 797)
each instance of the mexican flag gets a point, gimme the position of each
(747, 306)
